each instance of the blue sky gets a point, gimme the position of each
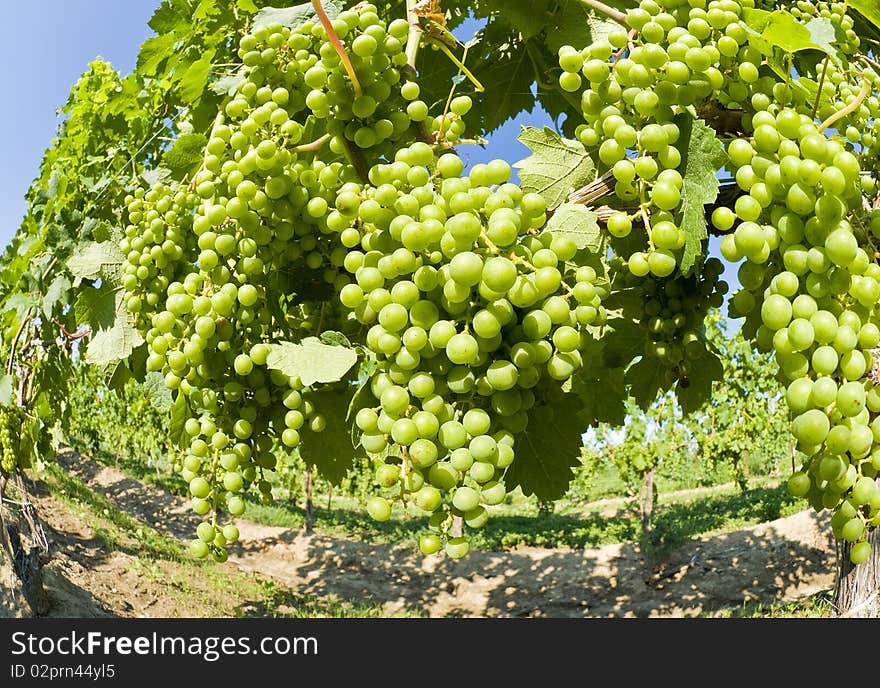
(44, 46)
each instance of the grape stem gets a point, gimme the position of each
(616, 15)
(852, 107)
(414, 39)
(413, 42)
(821, 84)
(460, 64)
(356, 159)
(337, 45)
(314, 145)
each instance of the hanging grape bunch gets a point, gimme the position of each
(798, 219)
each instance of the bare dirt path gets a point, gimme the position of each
(783, 559)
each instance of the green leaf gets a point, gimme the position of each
(114, 344)
(247, 6)
(187, 152)
(113, 337)
(696, 388)
(177, 424)
(702, 155)
(645, 379)
(556, 167)
(228, 85)
(331, 451)
(824, 34)
(502, 65)
(311, 361)
(602, 392)
(55, 293)
(527, 18)
(576, 222)
(548, 449)
(869, 9)
(294, 16)
(577, 25)
(333, 338)
(91, 259)
(196, 78)
(155, 176)
(780, 29)
(7, 390)
(623, 340)
(96, 306)
(159, 395)
(153, 52)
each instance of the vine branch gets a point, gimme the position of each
(337, 45)
(849, 109)
(616, 15)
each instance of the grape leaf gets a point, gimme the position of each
(548, 449)
(154, 51)
(576, 222)
(177, 424)
(333, 338)
(55, 293)
(869, 9)
(697, 388)
(247, 6)
(158, 393)
(96, 306)
(701, 156)
(645, 379)
(331, 452)
(7, 390)
(556, 167)
(602, 392)
(503, 67)
(90, 259)
(115, 343)
(824, 34)
(155, 176)
(311, 361)
(187, 152)
(527, 18)
(113, 337)
(577, 25)
(623, 340)
(196, 77)
(780, 29)
(296, 15)
(228, 85)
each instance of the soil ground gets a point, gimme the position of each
(276, 571)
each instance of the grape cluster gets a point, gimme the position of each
(797, 221)
(471, 310)
(241, 255)
(815, 290)
(630, 103)
(672, 311)
(13, 452)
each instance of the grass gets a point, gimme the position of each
(818, 605)
(202, 589)
(677, 517)
(116, 529)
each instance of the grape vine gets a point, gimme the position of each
(313, 272)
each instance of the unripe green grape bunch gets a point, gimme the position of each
(473, 314)
(798, 221)
(201, 256)
(13, 452)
